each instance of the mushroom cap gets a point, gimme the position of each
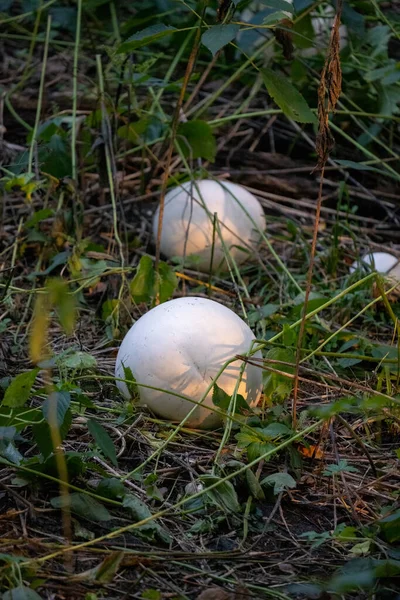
(378, 261)
(188, 228)
(179, 346)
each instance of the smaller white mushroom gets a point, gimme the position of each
(382, 262)
(188, 228)
(179, 347)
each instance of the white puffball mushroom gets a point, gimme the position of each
(179, 346)
(188, 228)
(382, 262)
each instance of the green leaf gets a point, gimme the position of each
(275, 18)
(21, 593)
(19, 390)
(278, 5)
(142, 285)
(42, 434)
(111, 487)
(38, 216)
(107, 570)
(55, 407)
(254, 485)
(7, 434)
(351, 164)
(151, 594)
(83, 506)
(64, 303)
(224, 496)
(145, 37)
(276, 385)
(280, 481)
(287, 97)
(140, 511)
(218, 36)
(167, 281)
(303, 33)
(196, 140)
(344, 583)
(390, 527)
(77, 361)
(103, 440)
(222, 400)
(315, 300)
(341, 467)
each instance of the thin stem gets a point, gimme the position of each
(75, 93)
(40, 97)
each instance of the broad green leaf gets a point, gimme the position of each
(275, 18)
(280, 481)
(42, 434)
(167, 281)
(353, 19)
(111, 487)
(103, 440)
(38, 216)
(21, 593)
(221, 399)
(64, 303)
(224, 495)
(344, 583)
(303, 33)
(55, 407)
(280, 5)
(151, 594)
(287, 97)
(196, 140)
(254, 485)
(142, 285)
(276, 385)
(390, 527)
(19, 390)
(145, 37)
(77, 361)
(138, 509)
(7, 434)
(9, 451)
(83, 506)
(314, 301)
(341, 467)
(139, 512)
(218, 36)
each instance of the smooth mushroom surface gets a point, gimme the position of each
(179, 346)
(382, 262)
(188, 228)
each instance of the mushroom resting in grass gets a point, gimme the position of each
(382, 262)
(188, 228)
(179, 347)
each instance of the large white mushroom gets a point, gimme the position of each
(188, 227)
(382, 262)
(179, 346)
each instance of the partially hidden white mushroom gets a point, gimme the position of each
(179, 347)
(188, 223)
(382, 262)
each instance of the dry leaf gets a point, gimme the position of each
(311, 452)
